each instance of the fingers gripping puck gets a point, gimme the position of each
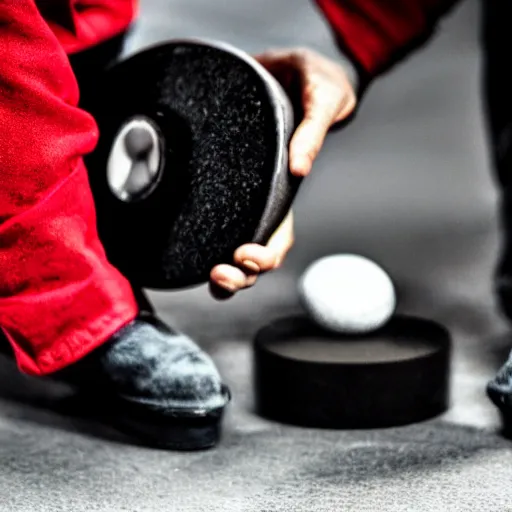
(192, 160)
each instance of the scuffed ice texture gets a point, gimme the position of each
(147, 362)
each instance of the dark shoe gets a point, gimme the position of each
(157, 385)
(499, 390)
(152, 382)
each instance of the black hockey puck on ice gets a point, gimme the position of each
(307, 376)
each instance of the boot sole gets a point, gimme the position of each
(168, 428)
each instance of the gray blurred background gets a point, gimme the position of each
(407, 184)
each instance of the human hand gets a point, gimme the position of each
(251, 260)
(327, 97)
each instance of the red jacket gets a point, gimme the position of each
(59, 296)
(373, 32)
(376, 33)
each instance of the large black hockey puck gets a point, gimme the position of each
(310, 377)
(192, 160)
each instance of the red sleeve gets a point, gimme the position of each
(81, 24)
(376, 33)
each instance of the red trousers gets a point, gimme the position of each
(59, 296)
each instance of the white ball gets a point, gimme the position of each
(348, 294)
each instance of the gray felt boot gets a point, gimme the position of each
(157, 383)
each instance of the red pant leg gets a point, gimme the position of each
(59, 297)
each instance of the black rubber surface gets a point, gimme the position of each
(395, 376)
(219, 139)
